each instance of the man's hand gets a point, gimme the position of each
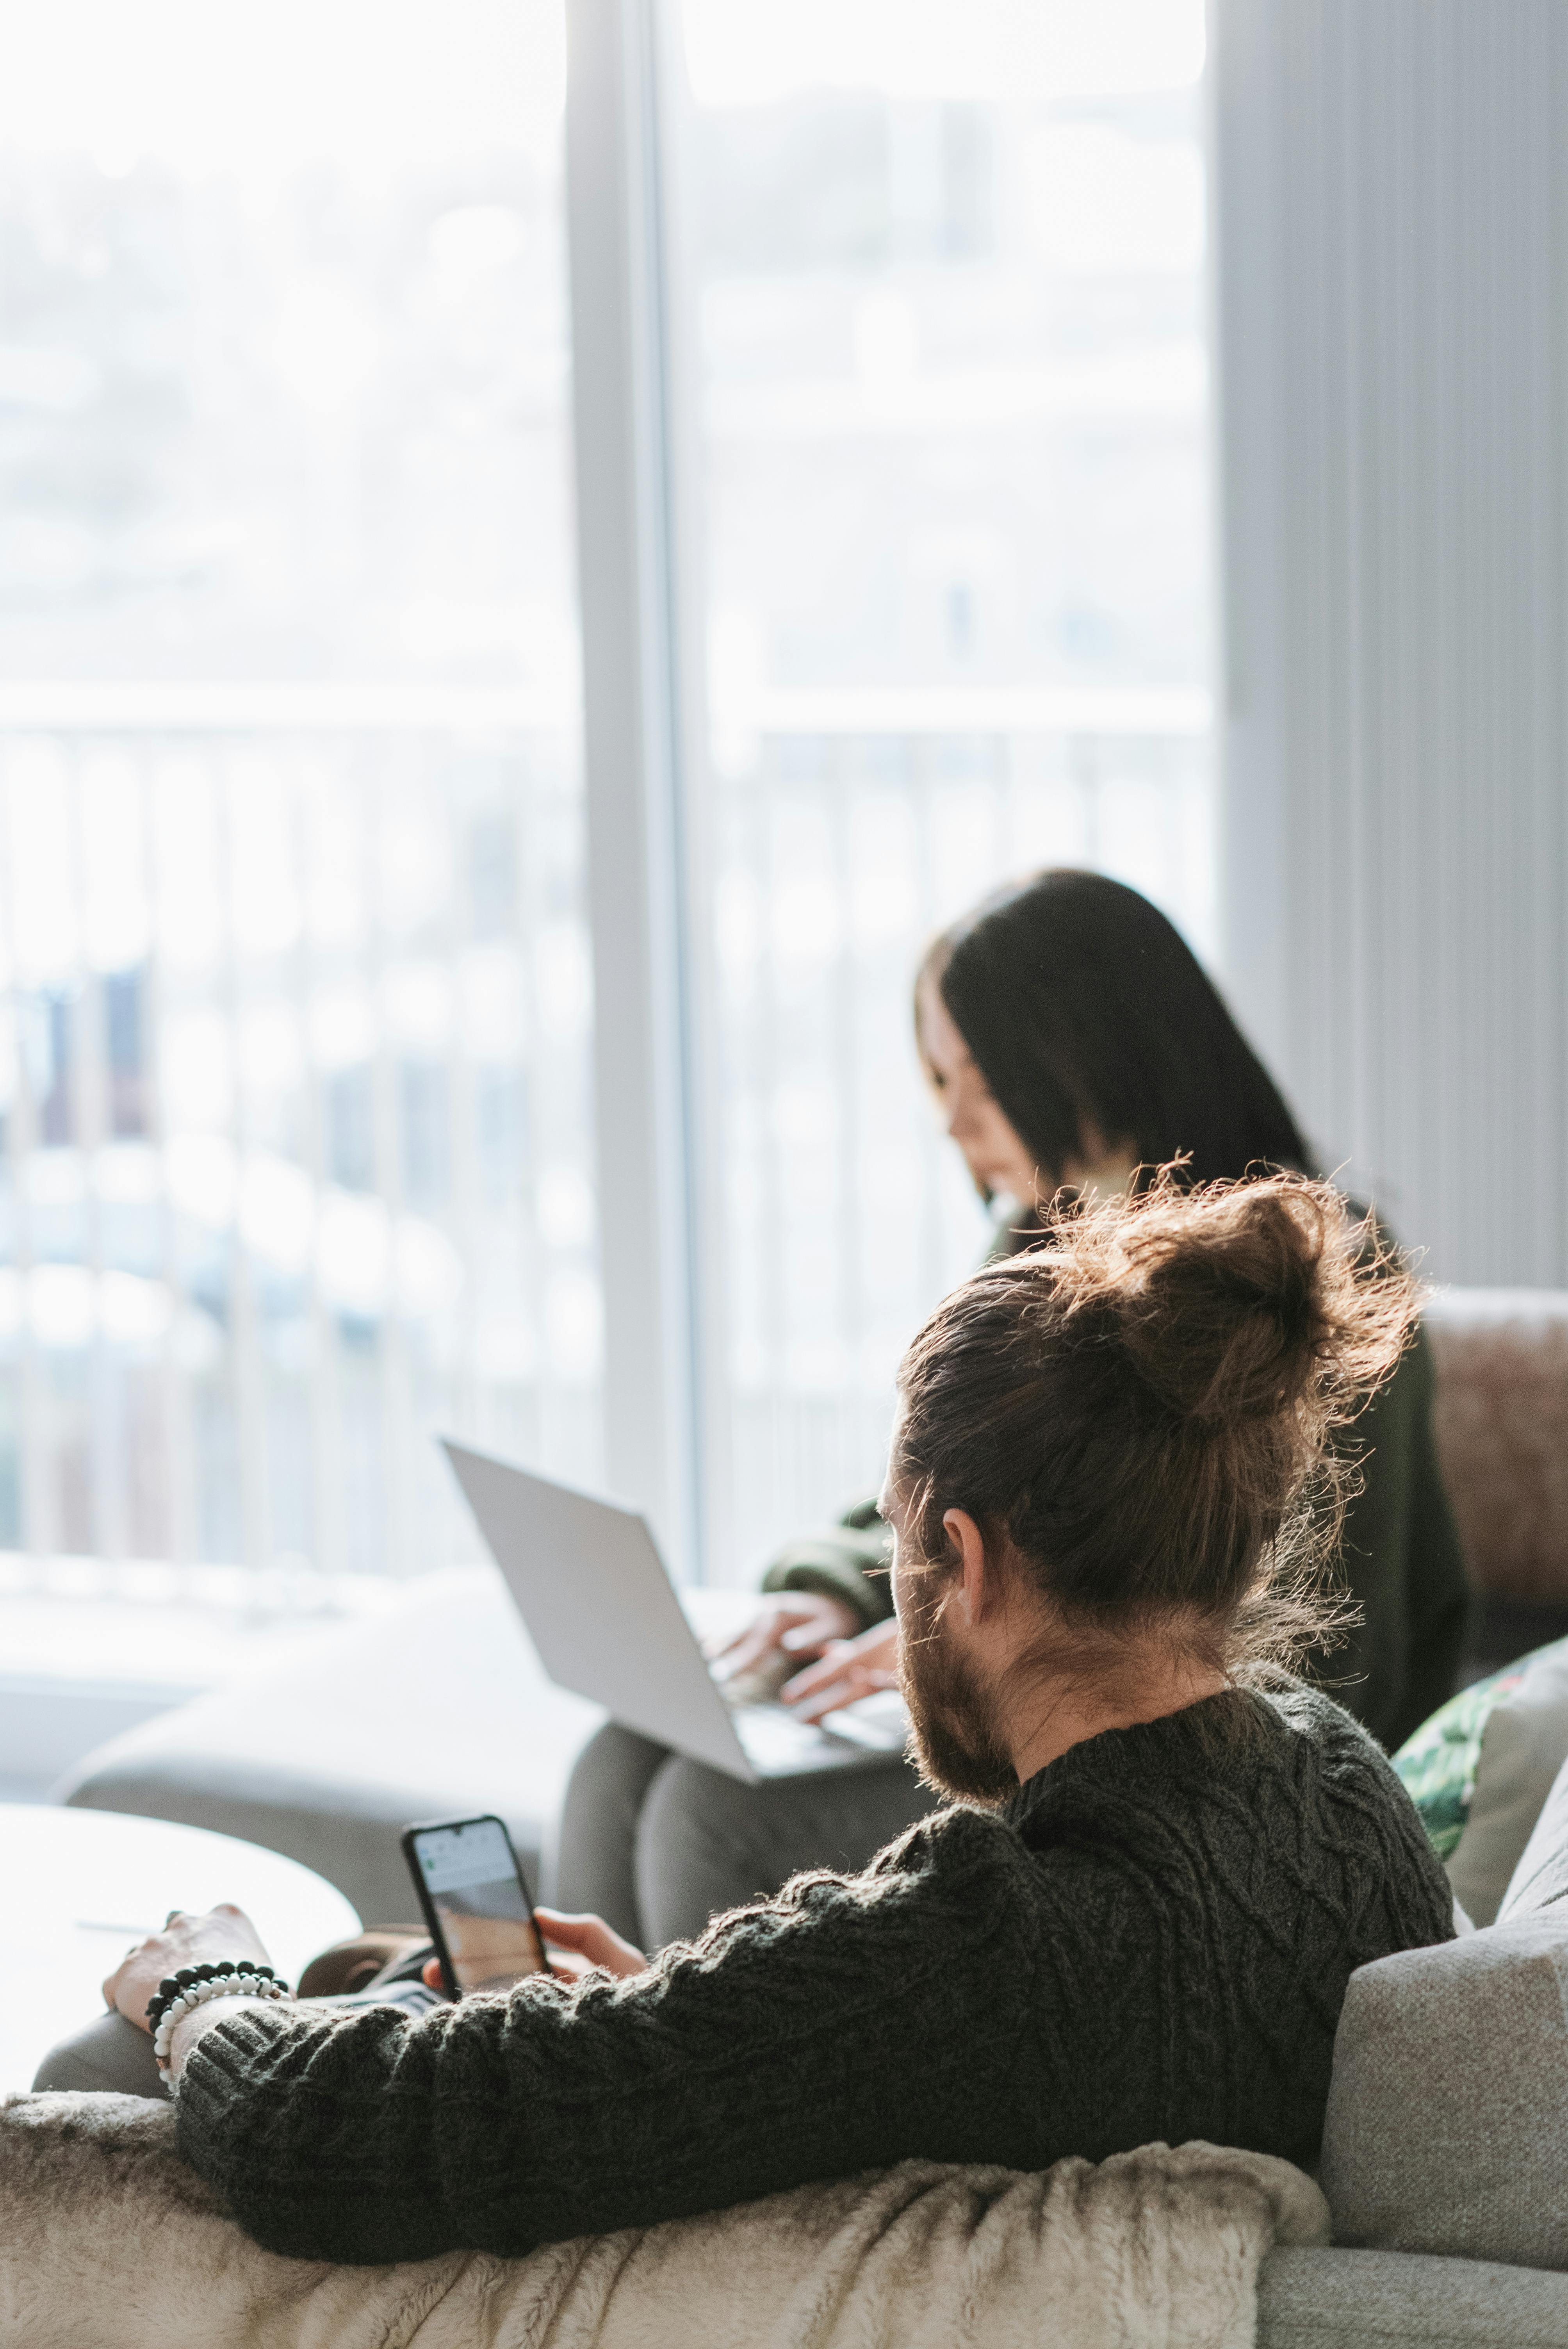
(797, 1624)
(847, 1669)
(574, 1945)
(589, 1941)
(186, 1940)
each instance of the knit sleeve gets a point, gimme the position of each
(847, 2024)
(848, 1561)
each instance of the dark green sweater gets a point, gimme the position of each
(1400, 1558)
(1151, 1941)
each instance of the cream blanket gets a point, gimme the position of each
(108, 2241)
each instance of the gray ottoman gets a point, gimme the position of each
(437, 1709)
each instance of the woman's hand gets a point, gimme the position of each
(574, 1945)
(186, 1940)
(795, 1625)
(847, 1669)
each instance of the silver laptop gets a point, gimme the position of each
(588, 1580)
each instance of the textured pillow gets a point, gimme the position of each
(1480, 1769)
(1446, 2127)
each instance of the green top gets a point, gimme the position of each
(1151, 1941)
(1400, 1555)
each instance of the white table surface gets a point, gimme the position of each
(81, 1886)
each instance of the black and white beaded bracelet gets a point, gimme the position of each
(183, 1991)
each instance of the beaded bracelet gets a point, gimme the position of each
(183, 1991)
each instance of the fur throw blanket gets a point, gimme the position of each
(108, 2241)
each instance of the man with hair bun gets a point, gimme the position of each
(1160, 1860)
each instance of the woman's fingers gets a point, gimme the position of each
(831, 1686)
(830, 1667)
(870, 1652)
(862, 1682)
(828, 1699)
(847, 1669)
(745, 1649)
(854, 1684)
(796, 1624)
(802, 1638)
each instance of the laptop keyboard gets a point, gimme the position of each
(775, 1741)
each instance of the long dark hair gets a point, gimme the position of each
(1082, 1005)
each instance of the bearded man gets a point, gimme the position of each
(1135, 1918)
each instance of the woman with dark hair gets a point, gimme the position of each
(1100, 1038)
(1074, 1044)
(1158, 1860)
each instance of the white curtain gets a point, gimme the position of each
(1392, 281)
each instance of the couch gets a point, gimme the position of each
(1439, 2219)
(1501, 1426)
(1443, 2160)
(439, 1708)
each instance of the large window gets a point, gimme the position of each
(301, 1158)
(946, 280)
(295, 1066)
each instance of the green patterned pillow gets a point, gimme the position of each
(1479, 1770)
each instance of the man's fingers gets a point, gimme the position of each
(572, 1933)
(599, 1943)
(568, 1965)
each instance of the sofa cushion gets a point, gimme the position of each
(1500, 1418)
(438, 1709)
(1480, 1769)
(1447, 2129)
(1393, 2300)
(1540, 1879)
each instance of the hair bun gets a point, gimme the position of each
(1241, 1301)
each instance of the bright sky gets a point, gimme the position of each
(209, 84)
(743, 52)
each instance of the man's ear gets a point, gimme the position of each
(974, 1588)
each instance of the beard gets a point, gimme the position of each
(954, 1738)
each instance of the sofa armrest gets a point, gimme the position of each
(1406, 2300)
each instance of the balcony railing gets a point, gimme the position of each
(295, 1077)
(845, 830)
(295, 1085)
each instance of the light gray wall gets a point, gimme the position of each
(1391, 273)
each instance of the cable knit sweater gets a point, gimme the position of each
(1150, 1941)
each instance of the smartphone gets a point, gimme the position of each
(475, 1904)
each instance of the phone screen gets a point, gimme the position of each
(486, 1922)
